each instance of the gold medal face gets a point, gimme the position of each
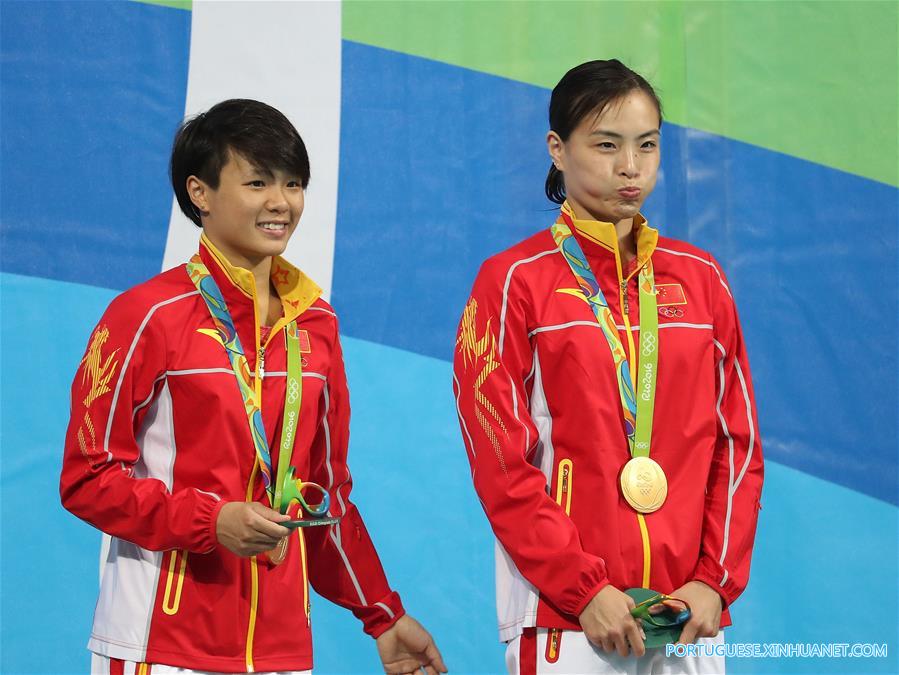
(277, 555)
(643, 484)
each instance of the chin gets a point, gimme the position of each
(611, 210)
(273, 247)
(625, 212)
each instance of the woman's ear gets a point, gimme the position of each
(197, 190)
(554, 145)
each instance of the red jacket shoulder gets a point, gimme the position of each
(138, 302)
(498, 265)
(323, 316)
(678, 246)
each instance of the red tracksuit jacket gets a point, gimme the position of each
(159, 441)
(541, 420)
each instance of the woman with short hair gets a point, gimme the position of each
(209, 433)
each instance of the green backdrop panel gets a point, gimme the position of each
(816, 80)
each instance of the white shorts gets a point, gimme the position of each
(102, 665)
(528, 654)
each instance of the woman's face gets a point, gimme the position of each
(610, 161)
(252, 213)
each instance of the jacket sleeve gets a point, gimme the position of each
(344, 566)
(103, 473)
(735, 479)
(493, 358)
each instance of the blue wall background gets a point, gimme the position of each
(811, 253)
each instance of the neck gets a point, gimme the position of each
(627, 243)
(262, 275)
(260, 267)
(262, 271)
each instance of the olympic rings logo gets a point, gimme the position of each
(293, 391)
(649, 343)
(671, 312)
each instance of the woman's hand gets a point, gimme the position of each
(406, 647)
(249, 528)
(705, 611)
(607, 623)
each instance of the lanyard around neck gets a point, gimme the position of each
(637, 408)
(293, 396)
(221, 317)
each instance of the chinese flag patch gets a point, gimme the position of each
(670, 294)
(305, 346)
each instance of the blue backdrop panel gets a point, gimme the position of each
(50, 559)
(92, 94)
(810, 252)
(411, 482)
(439, 167)
(824, 570)
(442, 167)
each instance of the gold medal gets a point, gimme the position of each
(277, 555)
(643, 484)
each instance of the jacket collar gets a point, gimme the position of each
(297, 291)
(604, 235)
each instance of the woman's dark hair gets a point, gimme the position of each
(589, 89)
(259, 133)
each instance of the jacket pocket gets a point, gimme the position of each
(174, 581)
(553, 644)
(307, 606)
(564, 484)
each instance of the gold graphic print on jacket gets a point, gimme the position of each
(96, 372)
(474, 351)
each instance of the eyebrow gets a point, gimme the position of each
(259, 171)
(613, 134)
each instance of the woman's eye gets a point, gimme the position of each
(606, 145)
(293, 184)
(256, 183)
(649, 145)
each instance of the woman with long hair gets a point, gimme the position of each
(606, 406)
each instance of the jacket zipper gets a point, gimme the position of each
(254, 572)
(254, 564)
(631, 352)
(254, 583)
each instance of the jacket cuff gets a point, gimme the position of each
(711, 573)
(582, 580)
(589, 595)
(209, 512)
(381, 615)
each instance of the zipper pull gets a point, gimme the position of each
(625, 308)
(262, 362)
